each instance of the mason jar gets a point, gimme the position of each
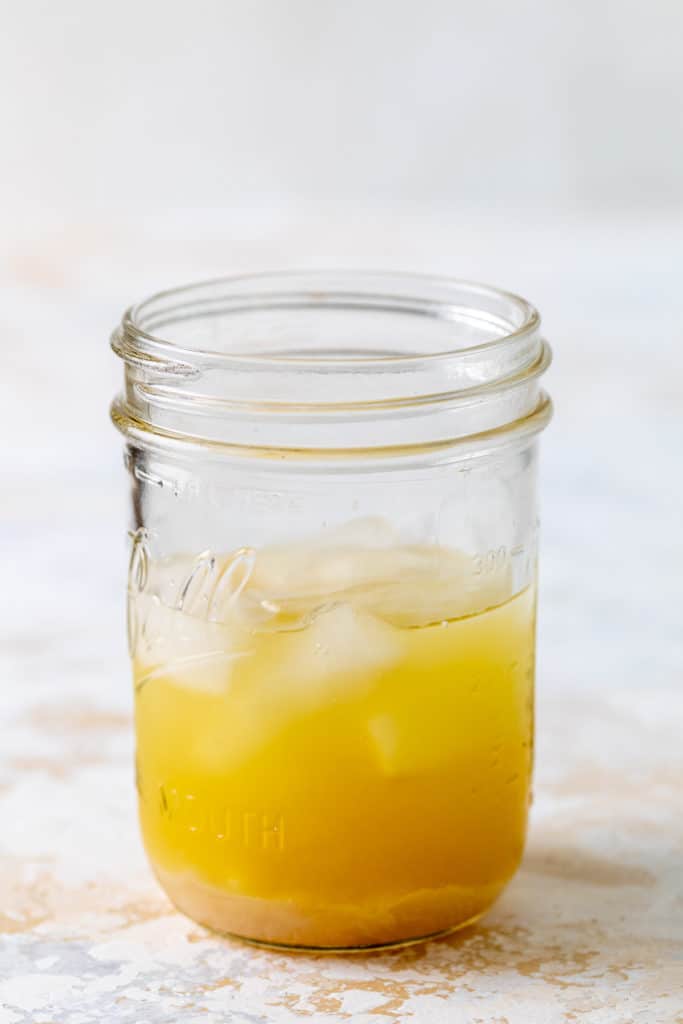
(331, 598)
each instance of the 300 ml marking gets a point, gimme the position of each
(490, 561)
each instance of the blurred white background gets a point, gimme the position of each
(145, 105)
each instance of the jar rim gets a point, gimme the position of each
(133, 340)
(332, 360)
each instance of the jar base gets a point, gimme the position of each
(376, 947)
(286, 928)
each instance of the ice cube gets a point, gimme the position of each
(429, 585)
(339, 654)
(403, 584)
(385, 740)
(285, 587)
(343, 641)
(209, 673)
(189, 649)
(327, 563)
(406, 745)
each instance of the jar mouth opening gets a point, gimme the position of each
(306, 319)
(330, 360)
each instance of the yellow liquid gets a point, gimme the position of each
(350, 783)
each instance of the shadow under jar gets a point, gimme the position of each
(331, 598)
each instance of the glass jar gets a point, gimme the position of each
(331, 598)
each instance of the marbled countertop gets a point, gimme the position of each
(591, 929)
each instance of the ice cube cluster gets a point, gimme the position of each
(338, 586)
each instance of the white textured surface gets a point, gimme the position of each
(592, 928)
